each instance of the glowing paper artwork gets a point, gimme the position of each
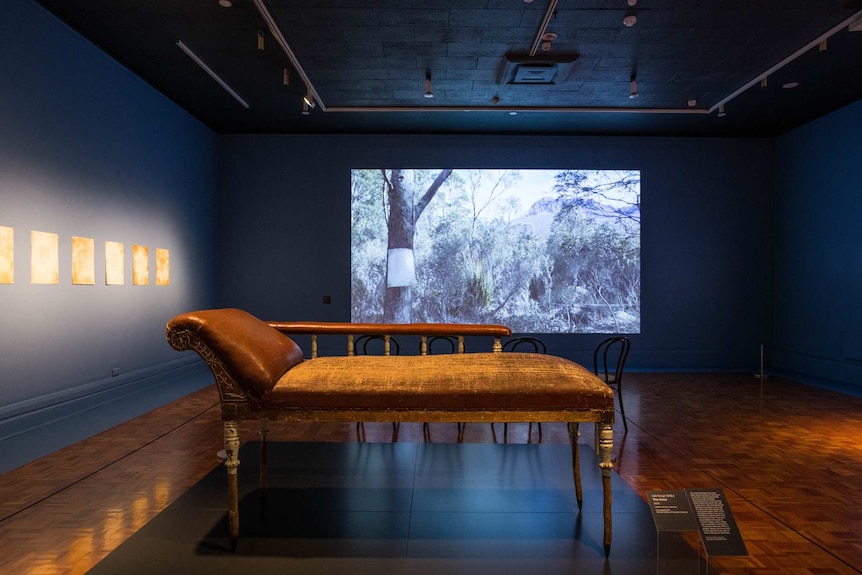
(114, 270)
(83, 261)
(140, 265)
(44, 258)
(163, 267)
(7, 255)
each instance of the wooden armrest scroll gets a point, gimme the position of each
(425, 330)
(345, 328)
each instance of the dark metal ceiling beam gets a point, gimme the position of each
(285, 47)
(549, 13)
(825, 36)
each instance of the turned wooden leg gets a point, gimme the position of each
(264, 456)
(231, 446)
(576, 462)
(605, 432)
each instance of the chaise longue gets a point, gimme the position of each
(261, 374)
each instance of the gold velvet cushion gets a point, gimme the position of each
(253, 354)
(480, 381)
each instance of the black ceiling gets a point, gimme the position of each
(367, 62)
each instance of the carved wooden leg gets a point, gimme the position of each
(231, 445)
(264, 456)
(605, 432)
(576, 462)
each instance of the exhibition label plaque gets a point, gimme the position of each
(702, 510)
(671, 511)
(718, 529)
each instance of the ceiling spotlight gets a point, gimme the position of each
(630, 20)
(632, 2)
(790, 85)
(721, 112)
(428, 93)
(495, 100)
(692, 103)
(260, 39)
(764, 82)
(634, 92)
(547, 38)
(308, 99)
(286, 77)
(225, 3)
(823, 46)
(304, 107)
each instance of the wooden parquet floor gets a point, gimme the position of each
(788, 456)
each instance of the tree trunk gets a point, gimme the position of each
(398, 305)
(398, 299)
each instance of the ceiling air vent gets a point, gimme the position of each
(540, 70)
(534, 74)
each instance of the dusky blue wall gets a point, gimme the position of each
(818, 256)
(88, 149)
(706, 230)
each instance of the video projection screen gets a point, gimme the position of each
(541, 251)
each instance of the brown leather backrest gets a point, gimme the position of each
(252, 353)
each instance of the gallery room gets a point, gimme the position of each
(680, 176)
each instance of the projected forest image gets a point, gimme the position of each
(541, 251)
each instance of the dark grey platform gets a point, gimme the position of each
(402, 508)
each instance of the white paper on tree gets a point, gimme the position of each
(401, 271)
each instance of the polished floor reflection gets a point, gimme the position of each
(788, 456)
(398, 508)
